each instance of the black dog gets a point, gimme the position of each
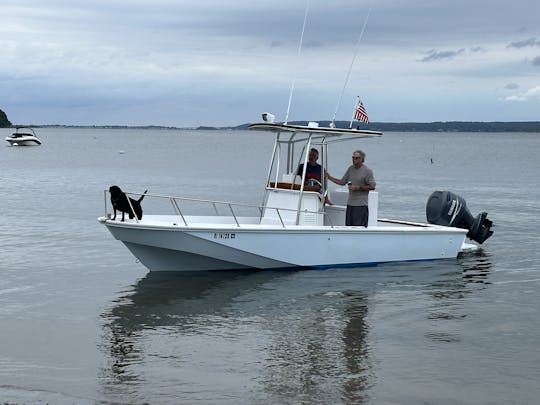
(119, 201)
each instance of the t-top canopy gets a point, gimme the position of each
(316, 132)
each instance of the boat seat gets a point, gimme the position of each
(291, 186)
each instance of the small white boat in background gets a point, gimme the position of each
(293, 228)
(23, 136)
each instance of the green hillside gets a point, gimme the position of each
(4, 122)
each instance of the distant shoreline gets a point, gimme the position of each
(438, 126)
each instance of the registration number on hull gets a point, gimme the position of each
(224, 235)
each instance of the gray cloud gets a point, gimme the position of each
(434, 55)
(476, 49)
(526, 43)
(531, 94)
(313, 44)
(512, 86)
(536, 61)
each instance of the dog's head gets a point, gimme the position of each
(115, 191)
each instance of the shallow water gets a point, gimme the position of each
(83, 322)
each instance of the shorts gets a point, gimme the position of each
(356, 215)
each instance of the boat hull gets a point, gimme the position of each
(23, 141)
(201, 248)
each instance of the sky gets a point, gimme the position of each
(187, 63)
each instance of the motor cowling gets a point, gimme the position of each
(449, 209)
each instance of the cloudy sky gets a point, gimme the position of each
(207, 62)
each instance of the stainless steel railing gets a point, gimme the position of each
(174, 201)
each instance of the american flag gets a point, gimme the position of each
(360, 114)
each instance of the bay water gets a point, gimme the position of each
(82, 322)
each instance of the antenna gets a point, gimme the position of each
(350, 67)
(298, 56)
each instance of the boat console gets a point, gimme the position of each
(287, 204)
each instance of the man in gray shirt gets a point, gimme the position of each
(360, 180)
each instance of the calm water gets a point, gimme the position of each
(83, 323)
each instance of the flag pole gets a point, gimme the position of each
(354, 110)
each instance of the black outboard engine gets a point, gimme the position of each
(449, 209)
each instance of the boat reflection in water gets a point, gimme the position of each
(171, 305)
(215, 332)
(450, 293)
(310, 336)
(476, 266)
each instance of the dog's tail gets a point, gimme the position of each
(142, 196)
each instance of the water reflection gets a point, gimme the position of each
(476, 266)
(319, 353)
(282, 336)
(356, 351)
(448, 294)
(168, 304)
(169, 299)
(299, 335)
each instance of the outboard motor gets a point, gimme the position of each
(449, 209)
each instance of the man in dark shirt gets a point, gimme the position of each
(313, 169)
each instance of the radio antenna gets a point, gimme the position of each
(333, 124)
(298, 57)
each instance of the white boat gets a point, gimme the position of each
(23, 136)
(293, 227)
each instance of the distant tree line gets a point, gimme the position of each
(457, 126)
(448, 126)
(439, 126)
(4, 122)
